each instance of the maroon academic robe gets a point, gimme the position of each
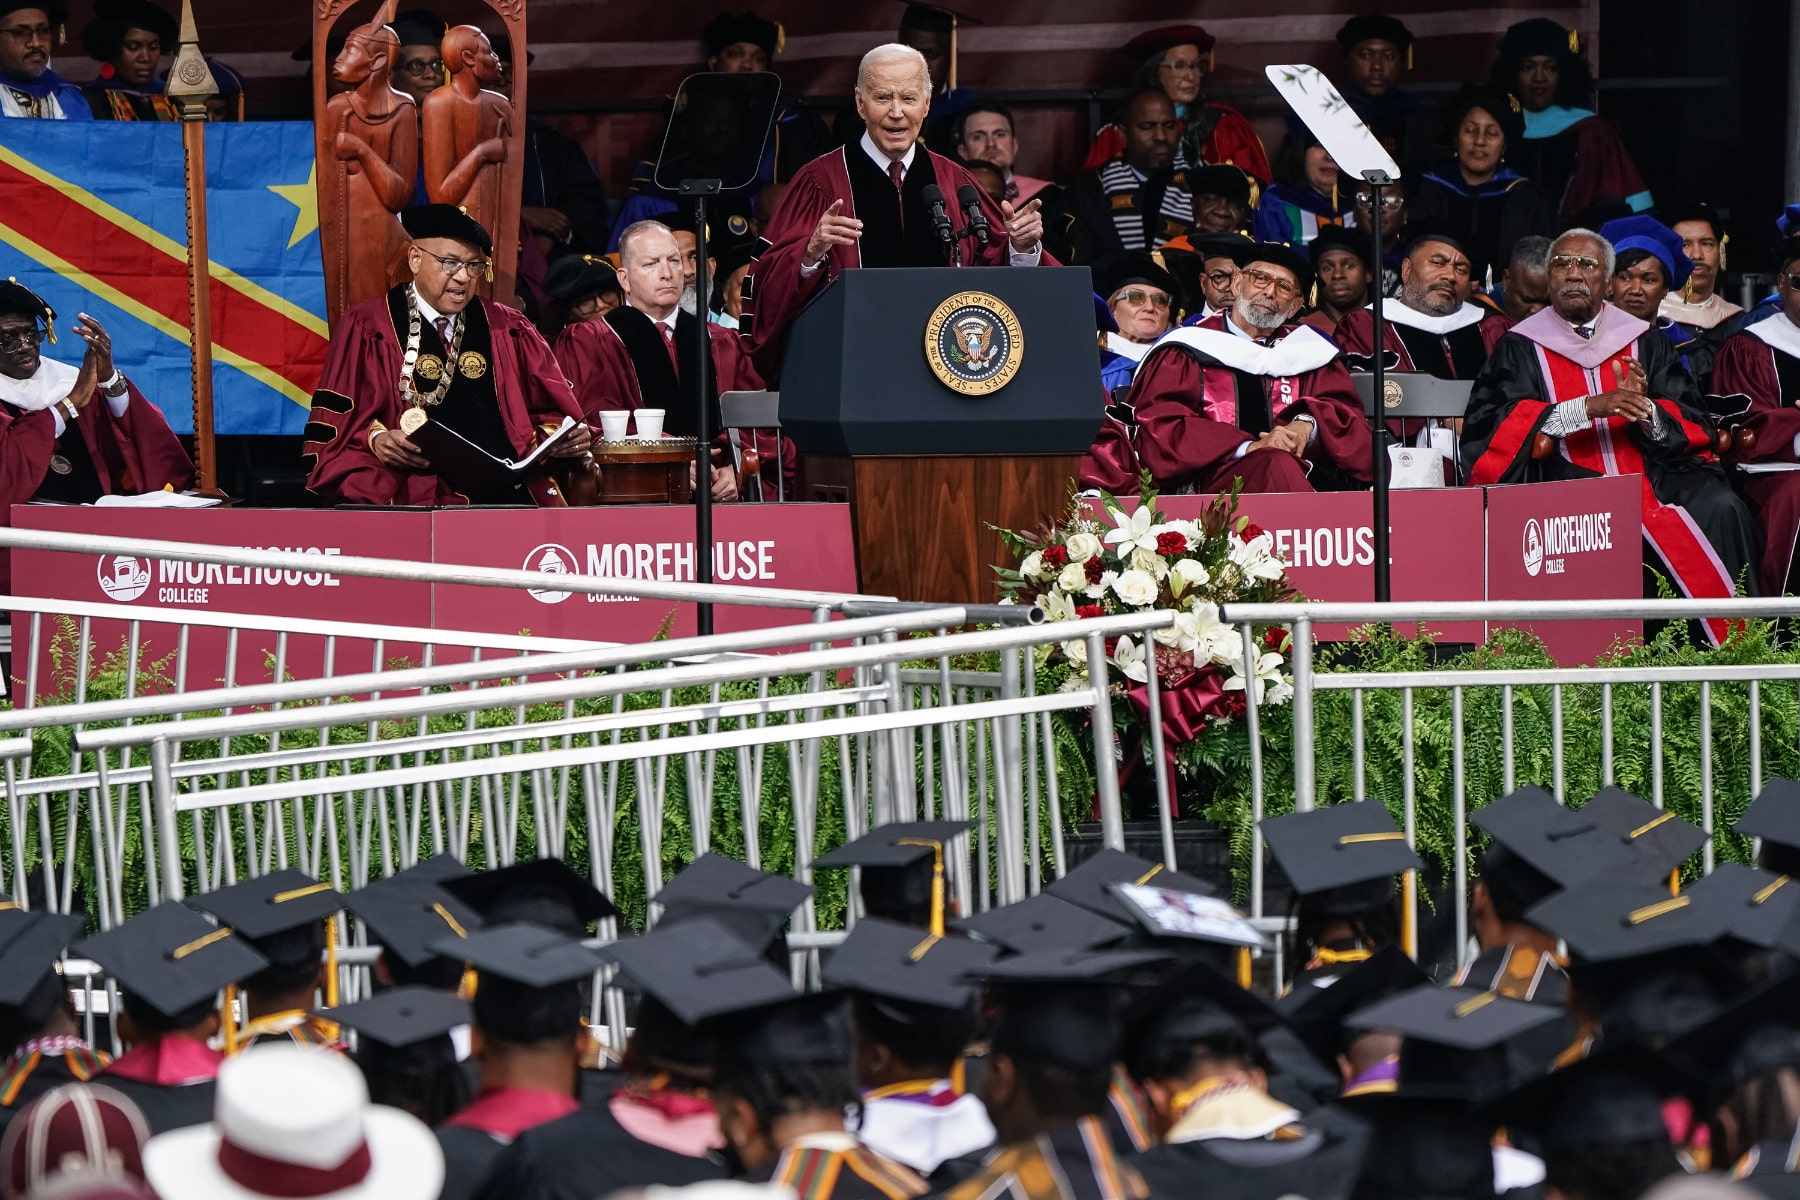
(1762, 364)
(359, 392)
(1201, 392)
(607, 375)
(1452, 347)
(776, 291)
(130, 454)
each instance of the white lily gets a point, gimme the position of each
(1056, 606)
(1254, 557)
(1131, 660)
(1132, 532)
(1266, 678)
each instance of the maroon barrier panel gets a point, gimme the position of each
(1577, 540)
(802, 546)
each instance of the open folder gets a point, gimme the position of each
(467, 467)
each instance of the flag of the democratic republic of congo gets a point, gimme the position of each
(93, 219)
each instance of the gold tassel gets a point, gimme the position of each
(331, 963)
(469, 982)
(1724, 241)
(1244, 968)
(780, 37)
(1514, 101)
(50, 329)
(1675, 882)
(1409, 934)
(952, 79)
(1574, 41)
(231, 1045)
(1409, 56)
(937, 890)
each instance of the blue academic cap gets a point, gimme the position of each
(1647, 233)
(1788, 223)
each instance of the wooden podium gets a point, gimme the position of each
(938, 402)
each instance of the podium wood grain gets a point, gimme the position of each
(920, 521)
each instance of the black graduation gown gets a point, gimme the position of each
(469, 1156)
(1320, 1165)
(167, 1108)
(28, 1080)
(584, 1155)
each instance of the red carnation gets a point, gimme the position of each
(1250, 532)
(1234, 704)
(1084, 611)
(1056, 556)
(1171, 543)
(1094, 568)
(1274, 638)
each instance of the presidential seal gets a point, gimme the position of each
(1392, 394)
(974, 343)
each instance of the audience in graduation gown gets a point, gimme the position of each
(1144, 301)
(1377, 51)
(283, 916)
(1139, 199)
(38, 1030)
(1649, 266)
(1308, 195)
(129, 38)
(28, 87)
(1343, 261)
(1699, 304)
(1476, 191)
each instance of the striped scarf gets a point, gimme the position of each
(1126, 191)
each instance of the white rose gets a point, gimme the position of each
(1073, 578)
(1149, 561)
(1082, 546)
(1033, 566)
(1190, 572)
(1076, 650)
(1136, 588)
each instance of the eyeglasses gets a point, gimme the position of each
(1261, 280)
(28, 33)
(20, 338)
(420, 66)
(1139, 296)
(1220, 278)
(456, 266)
(1187, 66)
(1570, 262)
(1387, 202)
(1793, 282)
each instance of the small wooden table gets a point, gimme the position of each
(634, 471)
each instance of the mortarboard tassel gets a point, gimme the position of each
(780, 37)
(231, 1026)
(1409, 56)
(1574, 41)
(1409, 930)
(1245, 970)
(331, 962)
(1724, 241)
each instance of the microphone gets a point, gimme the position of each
(940, 219)
(971, 209)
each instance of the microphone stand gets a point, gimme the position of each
(700, 189)
(1378, 421)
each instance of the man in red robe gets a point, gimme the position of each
(1761, 364)
(73, 434)
(1249, 397)
(1432, 327)
(638, 355)
(863, 205)
(478, 367)
(1616, 402)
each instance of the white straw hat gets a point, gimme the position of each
(296, 1122)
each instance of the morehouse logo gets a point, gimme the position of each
(665, 562)
(124, 578)
(1549, 544)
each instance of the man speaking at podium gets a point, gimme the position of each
(865, 205)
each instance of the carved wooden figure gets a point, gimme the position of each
(467, 131)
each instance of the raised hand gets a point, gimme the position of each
(833, 229)
(1024, 226)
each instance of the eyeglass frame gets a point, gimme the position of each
(1262, 280)
(1387, 201)
(23, 337)
(28, 33)
(422, 66)
(1573, 262)
(452, 267)
(1143, 293)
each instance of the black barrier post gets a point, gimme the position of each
(1378, 419)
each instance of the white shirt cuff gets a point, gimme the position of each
(1031, 259)
(118, 403)
(1243, 448)
(807, 272)
(1568, 417)
(61, 425)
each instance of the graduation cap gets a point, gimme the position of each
(419, 27)
(1371, 28)
(271, 904)
(697, 969)
(806, 1030)
(1681, 214)
(436, 869)
(893, 961)
(545, 891)
(403, 1017)
(1139, 267)
(1088, 885)
(31, 987)
(171, 959)
(1159, 41)
(20, 301)
(1454, 1038)
(1336, 237)
(575, 277)
(902, 869)
(1317, 1016)
(1774, 816)
(1537, 847)
(1659, 840)
(445, 221)
(1222, 180)
(1043, 922)
(1435, 229)
(1613, 919)
(1756, 906)
(56, 10)
(1338, 847)
(936, 19)
(407, 913)
(528, 979)
(105, 34)
(1279, 255)
(1495, 104)
(1539, 36)
(728, 29)
(754, 905)
(1646, 233)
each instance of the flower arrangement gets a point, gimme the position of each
(1103, 559)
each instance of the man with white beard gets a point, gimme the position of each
(1616, 402)
(1248, 396)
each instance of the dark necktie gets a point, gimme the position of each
(897, 173)
(668, 332)
(1584, 332)
(443, 328)
(1012, 190)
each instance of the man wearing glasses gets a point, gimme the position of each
(1612, 401)
(419, 71)
(1249, 397)
(28, 87)
(1760, 365)
(73, 434)
(477, 367)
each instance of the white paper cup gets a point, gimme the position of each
(649, 423)
(613, 424)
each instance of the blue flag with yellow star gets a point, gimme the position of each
(93, 218)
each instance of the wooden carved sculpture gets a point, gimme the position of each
(368, 148)
(467, 134)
